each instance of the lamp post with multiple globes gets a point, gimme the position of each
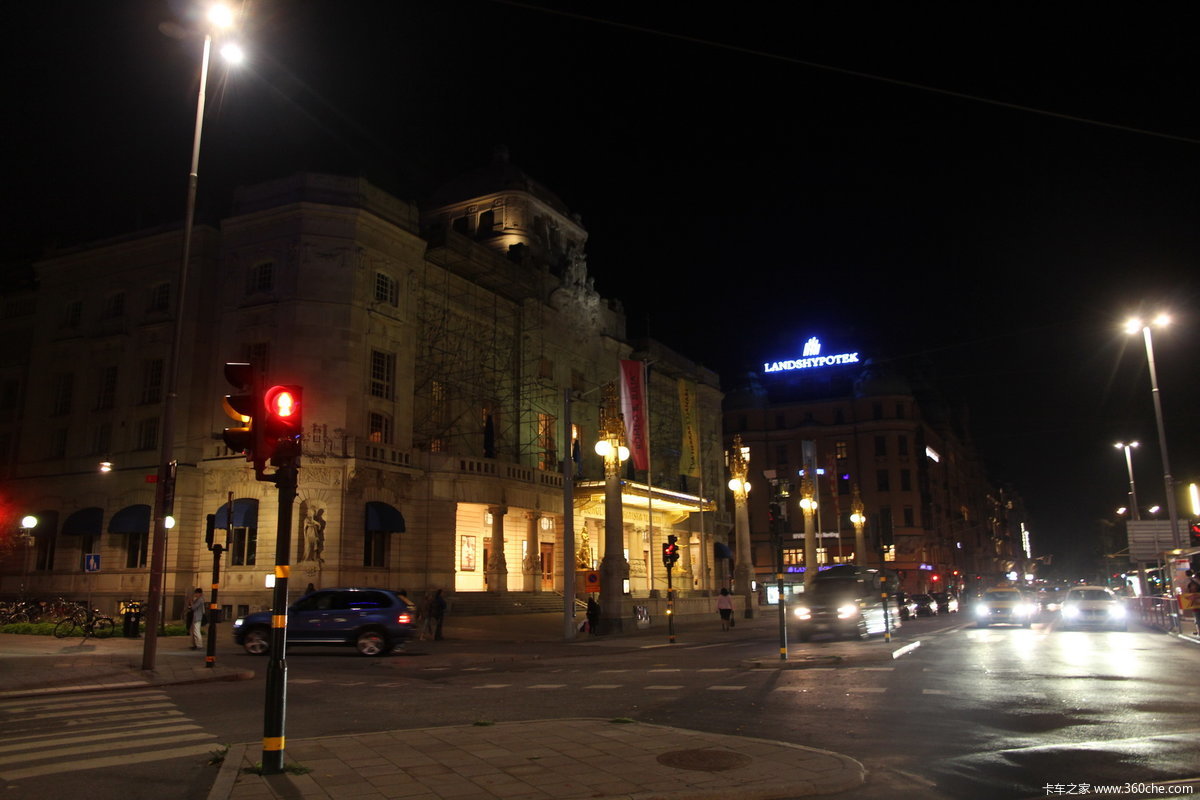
(610, 445)
(743, 571)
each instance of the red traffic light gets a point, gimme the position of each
(283, 424)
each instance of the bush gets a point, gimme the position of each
(47, 628)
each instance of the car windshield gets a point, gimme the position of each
(837, 588)
(1004, 597)
(1090, 594)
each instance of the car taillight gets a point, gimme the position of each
(404, 619)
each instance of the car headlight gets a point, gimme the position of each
(803, 612)
(847, 611)
(1116, 611)
(1022, 610)
(981, 609)
(1070, 611)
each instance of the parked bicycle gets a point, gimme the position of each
(93, 624)
(25, 611)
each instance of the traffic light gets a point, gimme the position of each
(242, 407)
(1194, 532)
(283, 424)
(774, 518)
(670, 551)
(935, 578)
(210, 527)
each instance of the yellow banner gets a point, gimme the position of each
(689, 457)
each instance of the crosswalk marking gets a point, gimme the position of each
(663, 688)
(110, 761)
(725, 688)
(548, 686)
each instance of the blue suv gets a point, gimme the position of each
(374, 621)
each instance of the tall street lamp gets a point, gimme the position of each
(743, 572)
(1133, 326)
(610, 445)
(1133, 504)
(808, 504)
(28, 523)
(219, 17)
(858, 520)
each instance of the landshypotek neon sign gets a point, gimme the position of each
(810, 358)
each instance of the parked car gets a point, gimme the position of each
(1092, 607)
(905, 605)
(375, 621)
(946, 602)
(1003, 606)
(926, 606)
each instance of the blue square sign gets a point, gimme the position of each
(91, 562)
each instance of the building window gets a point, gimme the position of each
(136, 546)
(147, 434)
(260, 277)
(909, 519)
(383, 374)
(487, 222)
(244, 547)
(101, 439)
(375, 549)
(72, 314)
(881, 480)
(380, 428)
(114, 306)
(793, 557)
(881, 445)
(841, 450)
(106, 395)
(152, 378)
(877, 410)
(822, 556)
(58, 443)
(63, 393)
(905, 480)
(889, 552)
(902, 445)
(159, 299)
(387, 289)
(781, 454)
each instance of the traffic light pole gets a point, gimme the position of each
(778, 541)
(214, 610)
(276, 701)
(670, 606)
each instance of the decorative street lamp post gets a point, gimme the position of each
(610, 445)
(28, 523)
(858, 520)
(1133, 326)
(743, 572)
(808, 505)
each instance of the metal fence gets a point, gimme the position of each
(1157, 612)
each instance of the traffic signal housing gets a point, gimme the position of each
(1194, 533)
(283, 423)
(670, 551)
(242, 407)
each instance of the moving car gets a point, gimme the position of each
(1092, 607)
(374, 621)
(905, 604)
(946, 602)
(1003, 606)
(844, 602)
(925, 604)
(1050, 599)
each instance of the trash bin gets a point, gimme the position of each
(132, 620)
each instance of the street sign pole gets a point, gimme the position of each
(276, 703)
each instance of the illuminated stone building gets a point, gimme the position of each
(882, 430)
(437, 349)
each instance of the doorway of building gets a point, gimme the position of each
(547, 556)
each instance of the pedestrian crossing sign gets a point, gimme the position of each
(91, 562)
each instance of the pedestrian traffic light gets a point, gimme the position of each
(670, 551)
(283, 423)
(1194, 532)
(242, 407)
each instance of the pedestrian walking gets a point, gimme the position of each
(425, 616)
(725, 609)
(196, 617)
(437, 611)
(1190, 599)
(593, 616)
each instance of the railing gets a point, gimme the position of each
(1156, 612)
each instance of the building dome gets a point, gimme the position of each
(501, 175)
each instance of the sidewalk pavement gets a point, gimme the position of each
(553, 759)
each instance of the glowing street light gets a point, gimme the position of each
(1132, 326)
(1129, 465)
(738, 459)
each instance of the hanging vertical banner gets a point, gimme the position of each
(633, 406)
(689, 457)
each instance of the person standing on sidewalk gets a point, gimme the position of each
(725, 609)
(437, 611)
(196, 615)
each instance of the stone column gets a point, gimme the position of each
(497, 566)
(532, 568)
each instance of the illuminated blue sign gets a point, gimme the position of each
(810, 357)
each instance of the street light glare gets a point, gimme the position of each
(1133, 325)
(29, 521)
(221, 16)
(232, 53)
(1162, 320)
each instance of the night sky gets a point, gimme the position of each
(983, 184)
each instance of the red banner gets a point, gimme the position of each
(633, 406)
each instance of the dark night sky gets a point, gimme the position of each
(782, 168)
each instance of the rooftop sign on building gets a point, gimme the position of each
(810, 358)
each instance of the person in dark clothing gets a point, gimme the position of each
(437, 611)
(593, 616)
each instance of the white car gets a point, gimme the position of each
(1092, 607)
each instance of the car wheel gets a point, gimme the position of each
(373, 643)
(257, 641)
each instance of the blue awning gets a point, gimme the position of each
(131, 519)
(721, 550)
(382, 517)
(84, 522)
(245, 514)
